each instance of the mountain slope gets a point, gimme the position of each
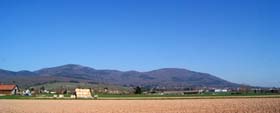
(167, 77)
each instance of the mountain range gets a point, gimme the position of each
(166, 77)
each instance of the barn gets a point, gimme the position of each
(8, 89)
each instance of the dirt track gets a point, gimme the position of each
(268, 105)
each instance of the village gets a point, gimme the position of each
(94, 93)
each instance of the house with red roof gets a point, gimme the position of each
(10, 89)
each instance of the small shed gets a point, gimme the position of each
(8, 89)
(83, 93)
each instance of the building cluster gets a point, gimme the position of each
(214, 91)
(12, 89)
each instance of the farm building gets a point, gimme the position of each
(83, 93)
(8, 89)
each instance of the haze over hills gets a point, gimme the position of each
(166, 77)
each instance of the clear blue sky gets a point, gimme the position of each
(237, 40)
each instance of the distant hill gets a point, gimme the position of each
(171, 78)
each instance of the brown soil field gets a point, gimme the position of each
(250, 105)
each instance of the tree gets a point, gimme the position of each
(244, 88)
(138, 90)
(32, 89)
(42, 89)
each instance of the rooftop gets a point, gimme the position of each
(7, 87)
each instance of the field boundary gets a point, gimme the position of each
(139, 98)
